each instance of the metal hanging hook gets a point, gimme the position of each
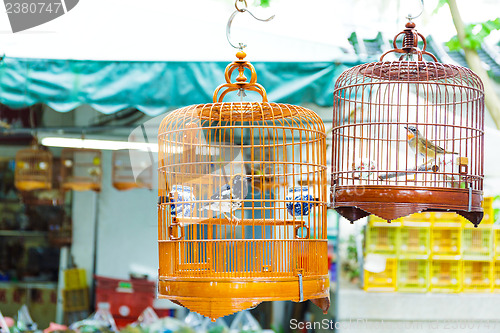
(411, 17)
(244, 9)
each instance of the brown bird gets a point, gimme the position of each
(423, 147)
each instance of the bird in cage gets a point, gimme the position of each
(423, 147)
(229, 197)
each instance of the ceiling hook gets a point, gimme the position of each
(244, 9)
(411, 17)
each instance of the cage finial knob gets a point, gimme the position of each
(409, 45)
(410, 25)
(241, 55)
(242, 82)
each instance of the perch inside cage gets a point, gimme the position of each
(123, 176)
(242, 202)
(33, 169)
(81, 169)
(408, 137)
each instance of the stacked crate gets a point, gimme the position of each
(75, 294)
(446, 249)
(381, 238)
(436, 252)
(413, 255)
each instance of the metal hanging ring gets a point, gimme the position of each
(411, 17)
(241, 10)
(240, 46)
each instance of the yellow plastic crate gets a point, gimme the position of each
(76, 300)
(419, 217)
(477, 276)
(383, 281)
(496, 276)
(496, 242)
(489, 215)
(382, 238)
(75, 278)
(449, 217)
(477, 243)
(446, 276)
(414, 239)
(413, 275)
(374, 219)
(446, 238)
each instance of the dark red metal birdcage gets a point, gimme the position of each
(408, 137)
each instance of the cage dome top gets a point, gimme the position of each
(243, 111)
(407, 69)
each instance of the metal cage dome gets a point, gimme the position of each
(408, 137)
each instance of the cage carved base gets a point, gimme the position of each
(393, 202)
(31, 185)
(217, 298)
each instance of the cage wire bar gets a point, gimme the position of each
(408, 137)
(242, 202)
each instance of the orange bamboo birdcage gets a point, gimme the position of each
(234, 226)
(33, 169)
(123, 175)
(408, 137)
(81, 169)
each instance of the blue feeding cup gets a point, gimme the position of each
(299, 201)
(181, 200)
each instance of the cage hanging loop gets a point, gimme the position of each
(409, 45)
(243, 9)
(411, 17)
(241, 83)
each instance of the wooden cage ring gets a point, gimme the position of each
(300, 227)
(180, 231)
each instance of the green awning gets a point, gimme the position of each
(153, 87)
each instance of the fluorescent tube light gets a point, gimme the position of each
(97, 144)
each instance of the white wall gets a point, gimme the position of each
(127, 228)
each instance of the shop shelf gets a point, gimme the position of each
(414, 239)
(477, 276)
(446, 276)
(413, 275)
(446, 238)
(477, 243)
(382, 238)
(383, 281)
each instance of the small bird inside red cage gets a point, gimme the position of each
(435, 158)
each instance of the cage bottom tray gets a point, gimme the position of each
(81, 186)
(216, 298)
(30, 185)
(393, 202)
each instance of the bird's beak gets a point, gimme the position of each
(248, 178)
(406, 128)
